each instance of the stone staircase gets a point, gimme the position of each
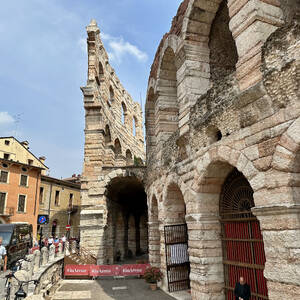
(78, 256)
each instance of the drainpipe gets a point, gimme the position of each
(36, 192)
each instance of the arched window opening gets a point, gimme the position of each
(124, 113)
(118, 149)
(134, 127)
(129, 160)
(167, 122)
(107, 135)
(100, 75)
(111, 96)
(223, 52)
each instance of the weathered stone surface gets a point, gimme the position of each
(245, 115)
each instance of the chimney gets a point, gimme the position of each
(42, 159)
(25, 144)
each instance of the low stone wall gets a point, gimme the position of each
(45, 266)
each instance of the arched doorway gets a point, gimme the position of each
(176, 241)
(242, 241)
(127, 203)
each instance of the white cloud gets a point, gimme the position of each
(82, 44)
(118, 48)
(6, 118)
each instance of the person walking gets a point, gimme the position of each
(3, 256)
(63, 239)
(242, 290)
(50, 241)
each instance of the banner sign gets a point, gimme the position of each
(105, 270)
(133, 270)
(77, 270)
(112, 270)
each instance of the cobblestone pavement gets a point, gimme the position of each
(136, 289)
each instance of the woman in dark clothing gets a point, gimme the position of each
(242, 290)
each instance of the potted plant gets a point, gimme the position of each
(152, 275)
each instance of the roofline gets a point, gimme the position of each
(19, 163)
(60, 181)
(25, 149)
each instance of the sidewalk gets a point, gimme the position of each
(108, 289)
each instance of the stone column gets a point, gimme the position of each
(280, 225)
(51, 253)
(45, 256)
(154, 243)
(37, 260)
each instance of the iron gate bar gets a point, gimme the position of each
(177, 259)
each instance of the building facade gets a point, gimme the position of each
(113, 216)
(223, 142)
(60, 201)
(20, 177)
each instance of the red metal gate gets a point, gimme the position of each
(243, 248)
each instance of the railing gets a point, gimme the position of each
(7, 211)
(73, 209)
(83, 255)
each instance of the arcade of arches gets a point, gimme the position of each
(223, 125)
(222, 176)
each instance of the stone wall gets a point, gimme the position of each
(249, 119)
(114, 146)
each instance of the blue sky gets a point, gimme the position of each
(43, 63)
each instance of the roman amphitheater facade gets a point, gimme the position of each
(223, 146)
(114, 210)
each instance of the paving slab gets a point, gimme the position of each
(136, 289)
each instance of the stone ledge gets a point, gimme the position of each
(276, 210)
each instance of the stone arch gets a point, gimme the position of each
(107, 134)
(129, 160)
(226, 155)
(100, 75)
(111, 96)
(124, 113)
(135, 126)
(150, 121)
(174, 205)
(212, 171)
(166, 105)
(117, 148)
(267, 15)
(223, 53)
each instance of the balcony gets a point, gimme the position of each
(6, 212)
(73, 209)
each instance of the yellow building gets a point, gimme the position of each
(12, 149)
(60, 200)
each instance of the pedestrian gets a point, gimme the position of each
(50, 241)
(63, 239)
(242, 290)
(3, 256)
